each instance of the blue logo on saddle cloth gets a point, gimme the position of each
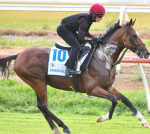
(57, 60)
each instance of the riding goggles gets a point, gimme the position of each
(100, 15)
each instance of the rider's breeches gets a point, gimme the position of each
(71, 40)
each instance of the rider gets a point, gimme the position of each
(75, 28)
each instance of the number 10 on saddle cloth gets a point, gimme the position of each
(57, 60)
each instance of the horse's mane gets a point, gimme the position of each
(111, 30)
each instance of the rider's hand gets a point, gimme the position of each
(99, 40)
(96, 40)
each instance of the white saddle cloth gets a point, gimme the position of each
(57, 60)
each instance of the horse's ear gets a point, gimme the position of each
(118, 22)
(133, 22)
(130, 23)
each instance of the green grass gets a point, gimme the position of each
(36, 20)
(15, 97)
(28, 20)
(23, 42)
(18, 123)
(77, 111)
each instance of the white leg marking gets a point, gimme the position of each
(141, 118)
(56, 131)
(103, 118)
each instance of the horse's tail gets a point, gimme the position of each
(5, 63)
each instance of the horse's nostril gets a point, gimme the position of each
(147, 53)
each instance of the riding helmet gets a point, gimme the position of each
(97, 10)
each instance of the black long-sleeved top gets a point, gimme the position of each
(79, 24)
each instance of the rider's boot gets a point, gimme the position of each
(71, 63)
(70, 71)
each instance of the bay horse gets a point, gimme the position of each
(31, 66)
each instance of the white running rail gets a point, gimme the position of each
(80, 8)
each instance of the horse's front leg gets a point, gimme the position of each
(128, 103)
(100, 92)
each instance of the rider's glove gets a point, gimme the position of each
(99, 40)
(96, 40)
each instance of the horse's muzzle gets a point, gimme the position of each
(143, 54)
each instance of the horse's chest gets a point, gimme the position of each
(107, 77)
(103, 73)
(112, 76)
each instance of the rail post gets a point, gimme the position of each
(145, 85)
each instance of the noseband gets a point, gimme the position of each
(131, 39)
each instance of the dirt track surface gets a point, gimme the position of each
(128, 79)
(144, 33)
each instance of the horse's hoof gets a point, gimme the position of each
(100, 119)
(67, 131)
(56, 131)
(146, 125)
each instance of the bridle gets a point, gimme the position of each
(132, 41)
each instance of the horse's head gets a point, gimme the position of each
(131, 39)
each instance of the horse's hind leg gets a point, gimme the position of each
(43, 109)
(128, 103)
(50, 115)
(42, 102)
(60, 123)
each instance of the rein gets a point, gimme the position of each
(124, 42)
(121, 57)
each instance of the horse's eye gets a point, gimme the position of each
(135, 36)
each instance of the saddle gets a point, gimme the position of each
(83, 58)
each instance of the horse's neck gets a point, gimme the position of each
(109, 52)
